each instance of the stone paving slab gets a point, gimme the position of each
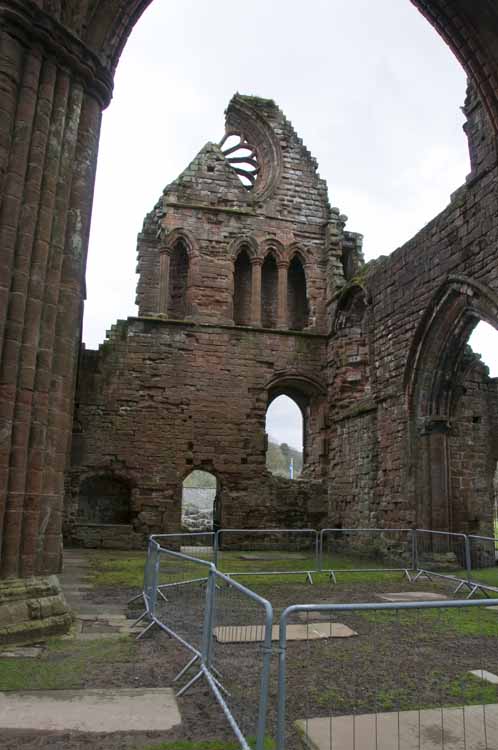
(255, 633)
(412, 596)
(133, 710)
(464, 728)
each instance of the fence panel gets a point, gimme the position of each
(483, 552)
(407, 676)
(267, 551)
(361, 550)
(239, 655)
(179, 593)
(441, 554)
(199, 544)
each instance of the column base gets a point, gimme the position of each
(31, 609)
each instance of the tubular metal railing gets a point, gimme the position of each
(190, 592)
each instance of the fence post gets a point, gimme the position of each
(282, 678)
(265, 679)
(155, 579)
(468, 557)
(414, 549)
(207, 635)
(317, 551)
(215, 548)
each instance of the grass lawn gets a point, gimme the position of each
(207, 745)
(64, 664)
(128, 571)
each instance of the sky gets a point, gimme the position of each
(369, 86)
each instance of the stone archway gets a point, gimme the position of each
(434, 384)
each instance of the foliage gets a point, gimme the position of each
(278, 459)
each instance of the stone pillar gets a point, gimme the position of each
(282, 321)
(164, 282)
(53, 92)
(256, 264)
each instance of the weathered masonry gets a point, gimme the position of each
(403, 422)
(233, 286)
(247, 291)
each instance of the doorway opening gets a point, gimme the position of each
(199, 501)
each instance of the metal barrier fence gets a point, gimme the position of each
(267, 552)
(200, 544)
(366, 550)
(228, 628)
(175, 595)
(240, 656)
(483, 551)
(394, 675)
(207, 611)
(441, 554)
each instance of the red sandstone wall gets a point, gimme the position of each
(161, 399)
(377, 460)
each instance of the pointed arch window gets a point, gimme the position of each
(242, 289)
(297, 299)
(178, 281)
(269, 292)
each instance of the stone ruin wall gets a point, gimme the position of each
(372, 427)
(377, 449)
(162, 397)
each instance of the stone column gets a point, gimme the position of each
(256, 264)
(55, 89)
(282, 321)
(164, 282)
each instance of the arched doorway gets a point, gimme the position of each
(453, 406)
(200, 501)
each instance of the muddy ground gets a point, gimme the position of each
(396, 662)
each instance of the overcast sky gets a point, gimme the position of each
(369, 86)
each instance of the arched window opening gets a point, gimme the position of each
(104, 499)
(269, 292)
(297, 301)
(178, 281)
(285, 430)
(199, 501)
(242, 290)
